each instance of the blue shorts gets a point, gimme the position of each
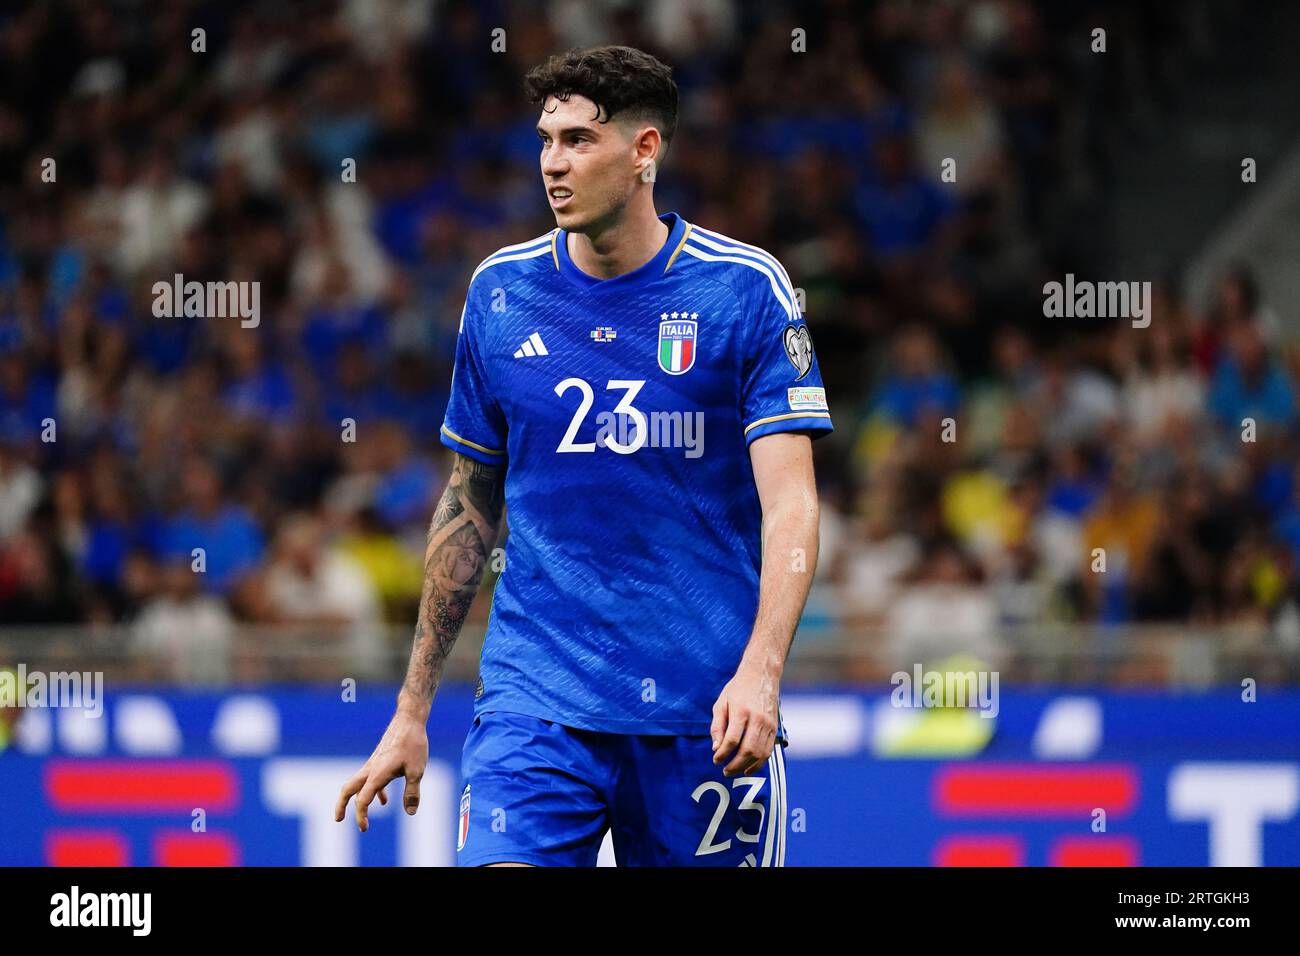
(542, 793)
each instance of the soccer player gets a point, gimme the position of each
(641, 393)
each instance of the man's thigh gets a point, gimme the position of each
(673, 807)
(533, 793)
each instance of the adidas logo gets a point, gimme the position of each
(532, 346)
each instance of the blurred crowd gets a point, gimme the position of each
(982, 453)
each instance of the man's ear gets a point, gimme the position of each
(656, 146)
(647, 165)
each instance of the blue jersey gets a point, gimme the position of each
(622, 410)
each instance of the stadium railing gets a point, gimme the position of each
(1175, 656)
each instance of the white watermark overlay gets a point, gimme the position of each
(977, 690)
(131, 910)
(208, 300)
(657, 430)
(21, 688)
(1084, 299)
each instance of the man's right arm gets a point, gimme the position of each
(461, 536)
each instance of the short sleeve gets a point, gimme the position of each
(474, 424)
(781, 384)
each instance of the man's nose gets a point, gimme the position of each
(554, 163)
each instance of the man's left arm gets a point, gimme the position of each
(745, 714)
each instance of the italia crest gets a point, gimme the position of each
(677, 341)
(462, 830)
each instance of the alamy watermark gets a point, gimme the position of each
(946, 688)
(657, 430)
(208, 300)
(1100, 300)
(133, 911)
(21, 688)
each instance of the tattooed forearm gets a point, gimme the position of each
(461, 536)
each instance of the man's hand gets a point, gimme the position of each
(403, 751)
(745, 716)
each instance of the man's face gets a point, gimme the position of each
(589, 168)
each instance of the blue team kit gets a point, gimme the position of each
(622, 410)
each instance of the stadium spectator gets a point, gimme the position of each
(185, 634)
(314, 585)
(945, 608)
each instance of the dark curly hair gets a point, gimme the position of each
(620, 80)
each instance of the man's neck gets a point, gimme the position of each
(621, 246)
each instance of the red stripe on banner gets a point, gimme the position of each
(86, 848)
(195, 849)
(1031, 790)
(140, 786)
(980, 850)
(688, 346)
(1097, 850)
